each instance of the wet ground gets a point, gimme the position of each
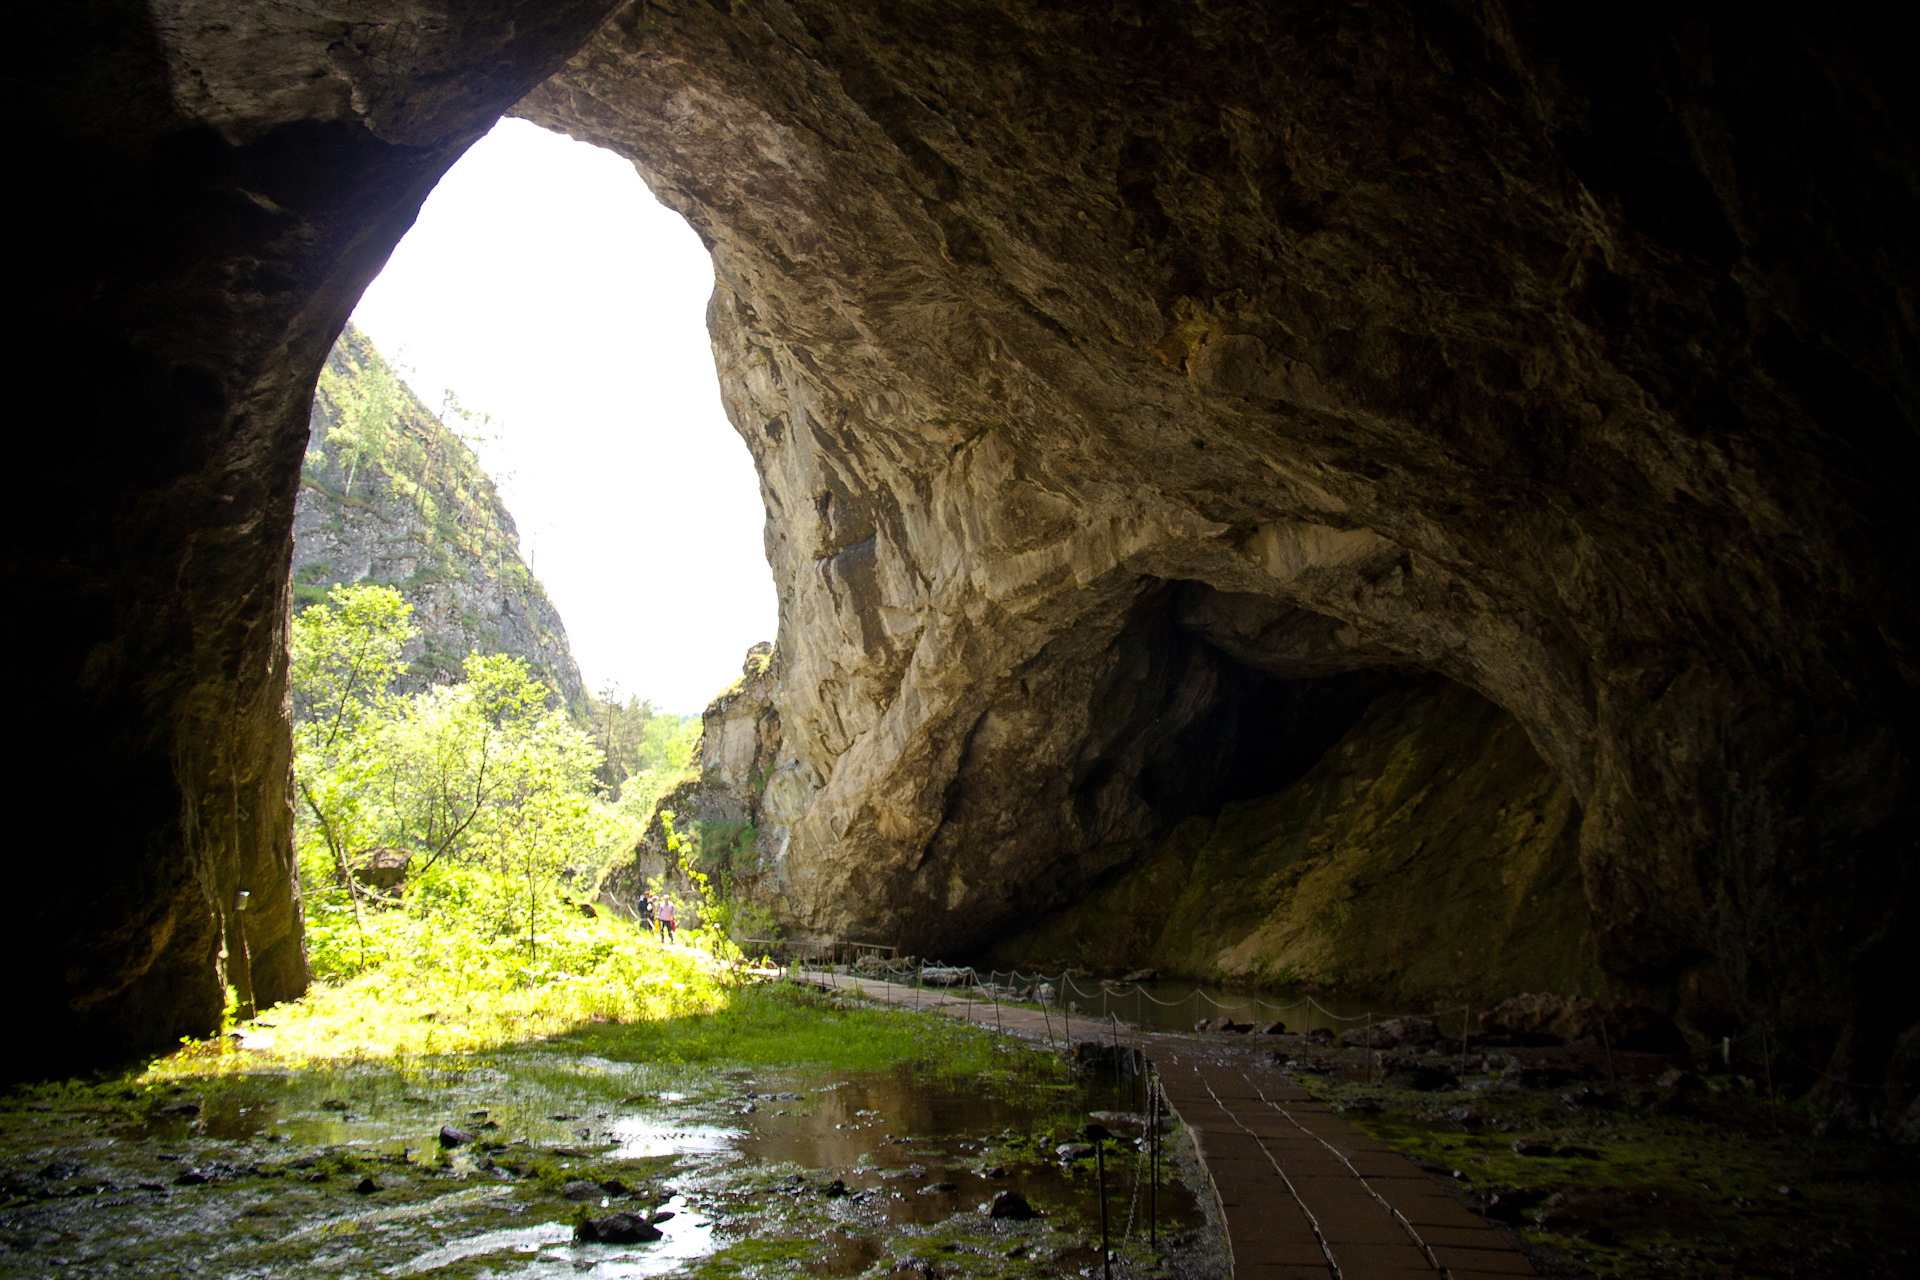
(749, 1171)
(1629, 1165)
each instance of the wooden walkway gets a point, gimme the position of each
(1306, 1196)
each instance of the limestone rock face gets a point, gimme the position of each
(1112, 371)
(422, 517)
(1427, 855)
(735, 807)
(1101, 363)
(213, 184)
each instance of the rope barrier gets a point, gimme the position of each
(1064, 985)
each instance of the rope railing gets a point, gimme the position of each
(971, 984)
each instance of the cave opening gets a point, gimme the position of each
(1263, 800)
(549, 312)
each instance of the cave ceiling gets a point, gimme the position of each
(1565, 354)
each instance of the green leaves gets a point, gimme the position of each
(488, 773)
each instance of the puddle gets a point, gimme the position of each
(640, 1137)
(481, 1166)
(684, 1238)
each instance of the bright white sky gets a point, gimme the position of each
(546, 286)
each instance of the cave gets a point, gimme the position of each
(1566, 359)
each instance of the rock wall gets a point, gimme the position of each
(1429, 855)
(1567, 353)
(422, 517)
(211, 187)
(1561, 353)
(734, 808)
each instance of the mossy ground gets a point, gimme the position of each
(1714, 1181)
(739, 1120)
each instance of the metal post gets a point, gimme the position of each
(1153, 1156)
(1106, 1254)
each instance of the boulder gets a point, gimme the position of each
(1543, 1018)
(616, 1228)
(1008, 1205)
(384, 868)
(1379, 1036)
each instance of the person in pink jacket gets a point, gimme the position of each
(664, 913)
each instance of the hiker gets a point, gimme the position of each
(665, 913)
(645, 909)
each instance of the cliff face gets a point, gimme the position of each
(1117, 375)
(397, 498)
(216, 184)
(1523, 348)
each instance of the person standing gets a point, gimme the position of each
(646, 912)
(666, 914)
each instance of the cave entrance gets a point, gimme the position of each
(1264, 801)
(551, 312)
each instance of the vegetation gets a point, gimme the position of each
(375, 434)
(487, 795)
(645, 749)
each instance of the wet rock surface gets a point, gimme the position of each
(1109, 376)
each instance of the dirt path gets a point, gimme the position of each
(1306, 1195)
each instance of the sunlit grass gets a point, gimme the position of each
(437, 983)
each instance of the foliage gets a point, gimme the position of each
(373, 438)
(646, 749)
(481, 773)
(449, 971)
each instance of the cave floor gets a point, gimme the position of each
(768, 1170)
(1587, 1163)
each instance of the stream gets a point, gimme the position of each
(343, 1171)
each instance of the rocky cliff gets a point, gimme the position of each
(1110, 372)
(389, 495)
(1115, 374)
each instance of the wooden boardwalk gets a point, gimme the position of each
(1306, 1196)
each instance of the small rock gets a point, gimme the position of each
(1010, 1205)
(660, 1215)
(1320, 1036)
(1680, 1078)
(938, 1189)
(181, 1109)
(1274, 1029)
(334, 1104)
(1531, 1149)
(191, 1178)
(1511, 1204)
(835, 1189)
(478, 1115)
(1073, 1150)
(451, 1137)
(1141, 975)
(60, 1169)
(616, 1228)
(581, 1190)
(614, 1187)
(563, 1116)
(994, 1171)
(366, 1186)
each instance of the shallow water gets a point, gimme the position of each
(1176, 1005)
(265, 1174)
